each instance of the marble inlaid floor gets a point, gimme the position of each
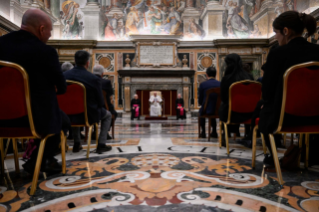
(161, 166)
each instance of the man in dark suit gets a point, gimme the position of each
(107, 87)
(94, 99)
(27, 47)
(135, 106)
(204, 86)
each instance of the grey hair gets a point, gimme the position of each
(66, 66)
(98, 69)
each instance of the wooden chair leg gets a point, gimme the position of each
(226, 138)
(284, 138)
(209, 128)
(254, 146)
(307, 151)
(198, 127)
(7, 147)
(89, 141)
(2, 156)
(97, 134)
(16, 155)
(264, 144)
(276, 159)
(220, 133)
(63, 144)
(38, 166)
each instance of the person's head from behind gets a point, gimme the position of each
(38, 23)
(82, 59)
(179, 96)
(66, 66)
(291, 24)
(211, 72)
(98, 70)
(135, 96)
(234, 68)
(247, 67)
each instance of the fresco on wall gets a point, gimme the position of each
(71, 17)
(152, 17)
(166, 17)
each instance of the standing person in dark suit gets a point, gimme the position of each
(234, 72)
(27, 47)
(180, 110)
(94, 99)
(293, 49)
(135, 107)
(107, 87)
(210, 109)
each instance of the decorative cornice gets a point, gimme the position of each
(8, 25)
(155, 72)
(241, 42)
(72, 43)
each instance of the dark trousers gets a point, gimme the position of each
(203, 123)
(53, 142)
(256, 115)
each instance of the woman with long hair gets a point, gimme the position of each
(234, 72)
(293, 49)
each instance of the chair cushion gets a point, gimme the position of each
(72, 102)
(10, 132)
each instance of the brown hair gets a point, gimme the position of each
(295, 21)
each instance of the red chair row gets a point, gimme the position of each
(16, 103)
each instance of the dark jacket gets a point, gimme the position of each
(107, 87)
(46, 80)
(203, 87)
(279, 60)
(179, 101)
(94, 96)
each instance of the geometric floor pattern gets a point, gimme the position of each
(161, 166)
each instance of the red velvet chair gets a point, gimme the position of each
(243, 98)
(15, 103)
(209, 117)
(300, 98)
(73, 102)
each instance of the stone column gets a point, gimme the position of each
(212, 17)
(189, 13)
(91, 20)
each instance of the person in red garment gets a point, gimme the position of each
(180, 110)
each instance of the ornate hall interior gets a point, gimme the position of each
(158, 163)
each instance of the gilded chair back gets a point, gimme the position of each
(243, 97)
(73, 101)
(300, 95)
(15, 100)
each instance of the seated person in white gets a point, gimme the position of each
(156, 109)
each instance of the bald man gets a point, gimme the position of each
(27, 47)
